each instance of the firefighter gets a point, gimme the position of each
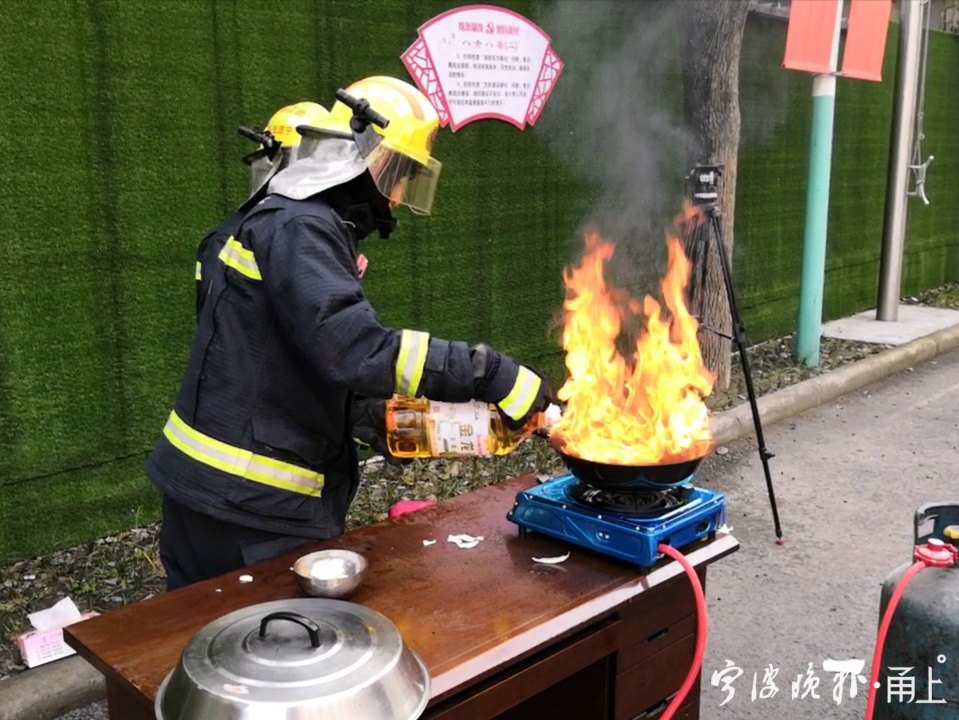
(256, 458)
(279, 140)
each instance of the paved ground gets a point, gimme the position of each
(848, 477)
(97, 711)
(914, 321)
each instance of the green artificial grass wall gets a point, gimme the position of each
(121, 151)
(120, 129)
(773, 165)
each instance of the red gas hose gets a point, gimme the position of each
(701, 624)
(884, 628)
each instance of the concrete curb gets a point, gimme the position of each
(736, 423)
(51, 690)
(48, 691)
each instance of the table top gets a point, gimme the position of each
(466, 612)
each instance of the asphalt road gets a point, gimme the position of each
(848, 476)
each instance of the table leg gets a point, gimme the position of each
(123, 705)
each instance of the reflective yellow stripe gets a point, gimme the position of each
(240, 462)
(410, 361)
(198, 275)
(240, 259)
(519, 400)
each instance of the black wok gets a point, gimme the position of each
(607, 476)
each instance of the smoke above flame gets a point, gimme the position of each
(645, 409)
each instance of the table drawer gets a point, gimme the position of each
(649, 613)
(643, 687)
(689, 711)
(631, 655)
(589, 655)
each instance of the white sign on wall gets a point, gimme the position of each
(480, 62)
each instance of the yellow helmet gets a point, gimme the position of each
(282, 126)
(284, 122)
(401, 163)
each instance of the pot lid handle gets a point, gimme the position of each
(311, 627)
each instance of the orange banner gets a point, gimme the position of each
(866, 39)
(809, 38)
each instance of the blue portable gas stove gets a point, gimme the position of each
(624, 517)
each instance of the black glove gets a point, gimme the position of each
(368, 423)
(517, 391)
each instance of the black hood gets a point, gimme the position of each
(360, 203)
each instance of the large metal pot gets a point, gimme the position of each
(304, 659)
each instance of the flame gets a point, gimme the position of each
(646, 410)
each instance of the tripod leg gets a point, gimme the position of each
(739, 333)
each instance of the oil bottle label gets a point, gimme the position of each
(459, 428)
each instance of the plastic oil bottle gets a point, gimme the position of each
(420, 428)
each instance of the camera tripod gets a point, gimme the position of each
(704, 182)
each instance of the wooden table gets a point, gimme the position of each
(502, 637)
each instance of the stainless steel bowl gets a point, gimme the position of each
(330, 573)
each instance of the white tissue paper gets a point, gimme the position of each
(45, 642)
(58, 616)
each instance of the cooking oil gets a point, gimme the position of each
(420, 428)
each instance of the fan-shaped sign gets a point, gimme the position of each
(480, 62)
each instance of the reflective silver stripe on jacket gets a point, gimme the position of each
(236, 256)
(519, 400)
(410, 361)
(242, 463)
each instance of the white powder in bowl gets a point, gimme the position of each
(330, 569)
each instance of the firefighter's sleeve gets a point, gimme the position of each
(311, 276)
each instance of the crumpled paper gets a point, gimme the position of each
(465, 541)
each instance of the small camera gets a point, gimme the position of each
(703, 184)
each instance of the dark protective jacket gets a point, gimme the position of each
(259, 434)
(208, 251)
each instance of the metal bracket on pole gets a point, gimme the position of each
(920, 167)
(919, 173)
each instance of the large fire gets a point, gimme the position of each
(647, 409)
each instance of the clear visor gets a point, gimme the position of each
(261, 170)
(262, 167)
(402, 180)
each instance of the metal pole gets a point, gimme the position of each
(894, 229)
(809, 325)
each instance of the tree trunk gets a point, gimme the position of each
(712, 39)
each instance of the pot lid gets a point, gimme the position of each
(314, 652)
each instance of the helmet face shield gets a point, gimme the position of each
(403, 180)
(262, 168)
